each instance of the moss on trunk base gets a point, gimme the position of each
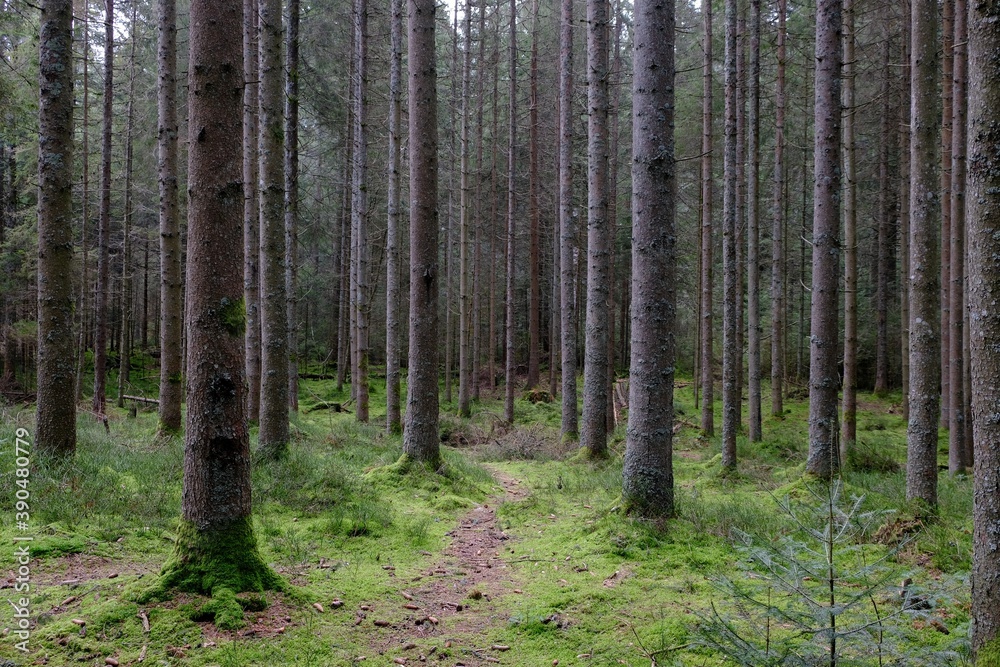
(207, 561)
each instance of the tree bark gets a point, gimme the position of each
(593, 434)
(848, 432)
(823, 378)
(983, 198)
(924, 274)
(904, 214)
(420, 435)
(883, 272)
(128, 270)
(753, 232)
(707, 360)
(359, 208)
(393, 422)
(56, 414)
(84, 223)
(465, 214)
(273, 435)
(251, 211)
(731, 352)
(534, 186)
(957, 450)
(947, 45)
(292, 199)
(647, 476)
(508, 409)
(216, 547)
(778, 307)
(567, 230)
(104, 222)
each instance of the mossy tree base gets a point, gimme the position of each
(218, 563)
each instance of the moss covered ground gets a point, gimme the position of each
(374, 567)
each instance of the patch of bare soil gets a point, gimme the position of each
(450, 607)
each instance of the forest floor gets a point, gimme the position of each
(514, 554)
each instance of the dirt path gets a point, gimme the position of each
(452, 606)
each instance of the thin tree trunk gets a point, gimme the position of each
(884, 228)
(778, 304)
(128, 278)
(925, 291)
(420, 435)
(567, 230)
(449, 259)
(55, 432)
(904, 214)
(251, 211)
(615, 81)
(731, 352)
(946, 73)
(593, 432)
(494, 214)
(753, 232)
(849, 423)
(957, 451)
(273, 435)
(707, 360)
(508, 409)
(104, 223)
(647, 476)
(292, 199)
(477, 269)
(85, 217)
(465, 206)
(393, 422)
(359, 208)
(826, 244)
(534, 260)
(983, 197)
(345, 318)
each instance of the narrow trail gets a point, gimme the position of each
(451, 607)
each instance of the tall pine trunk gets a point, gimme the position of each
(420, 435)
(593, 432)
(567, 230)
(251, 212)
(534, 188)
(778, 273)
(292, 199)
(924, 274)
(823, 378)
(56, 414)
(706, 316)
(171, 305)
(465, 214)
(273, 433)
(393, 263)
(731, 298)
(753, 231)
(104, 222)
(883, 271)
(508, 406)
(647, 476)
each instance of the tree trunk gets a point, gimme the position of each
(84, 223)
(593, 434)
(465, 213)
(849, 424)
(984, 322)
(508, 409)
(216, 547)
(957, 450)
(567, 230)
(393, 264)
(778, 312)
(647, 476)
(171, 304)
(883, 272)
(359, 207)
(104, 222)
(534, 268)
(292, 199)
(904, 215)
(273, 435)
(731, 353)
(823, 378)
(420, 436)
(753, 232)
(707, 361)
(251, 212)
(925, 313)
(947, 45)
(128, 272)
(56, 415)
